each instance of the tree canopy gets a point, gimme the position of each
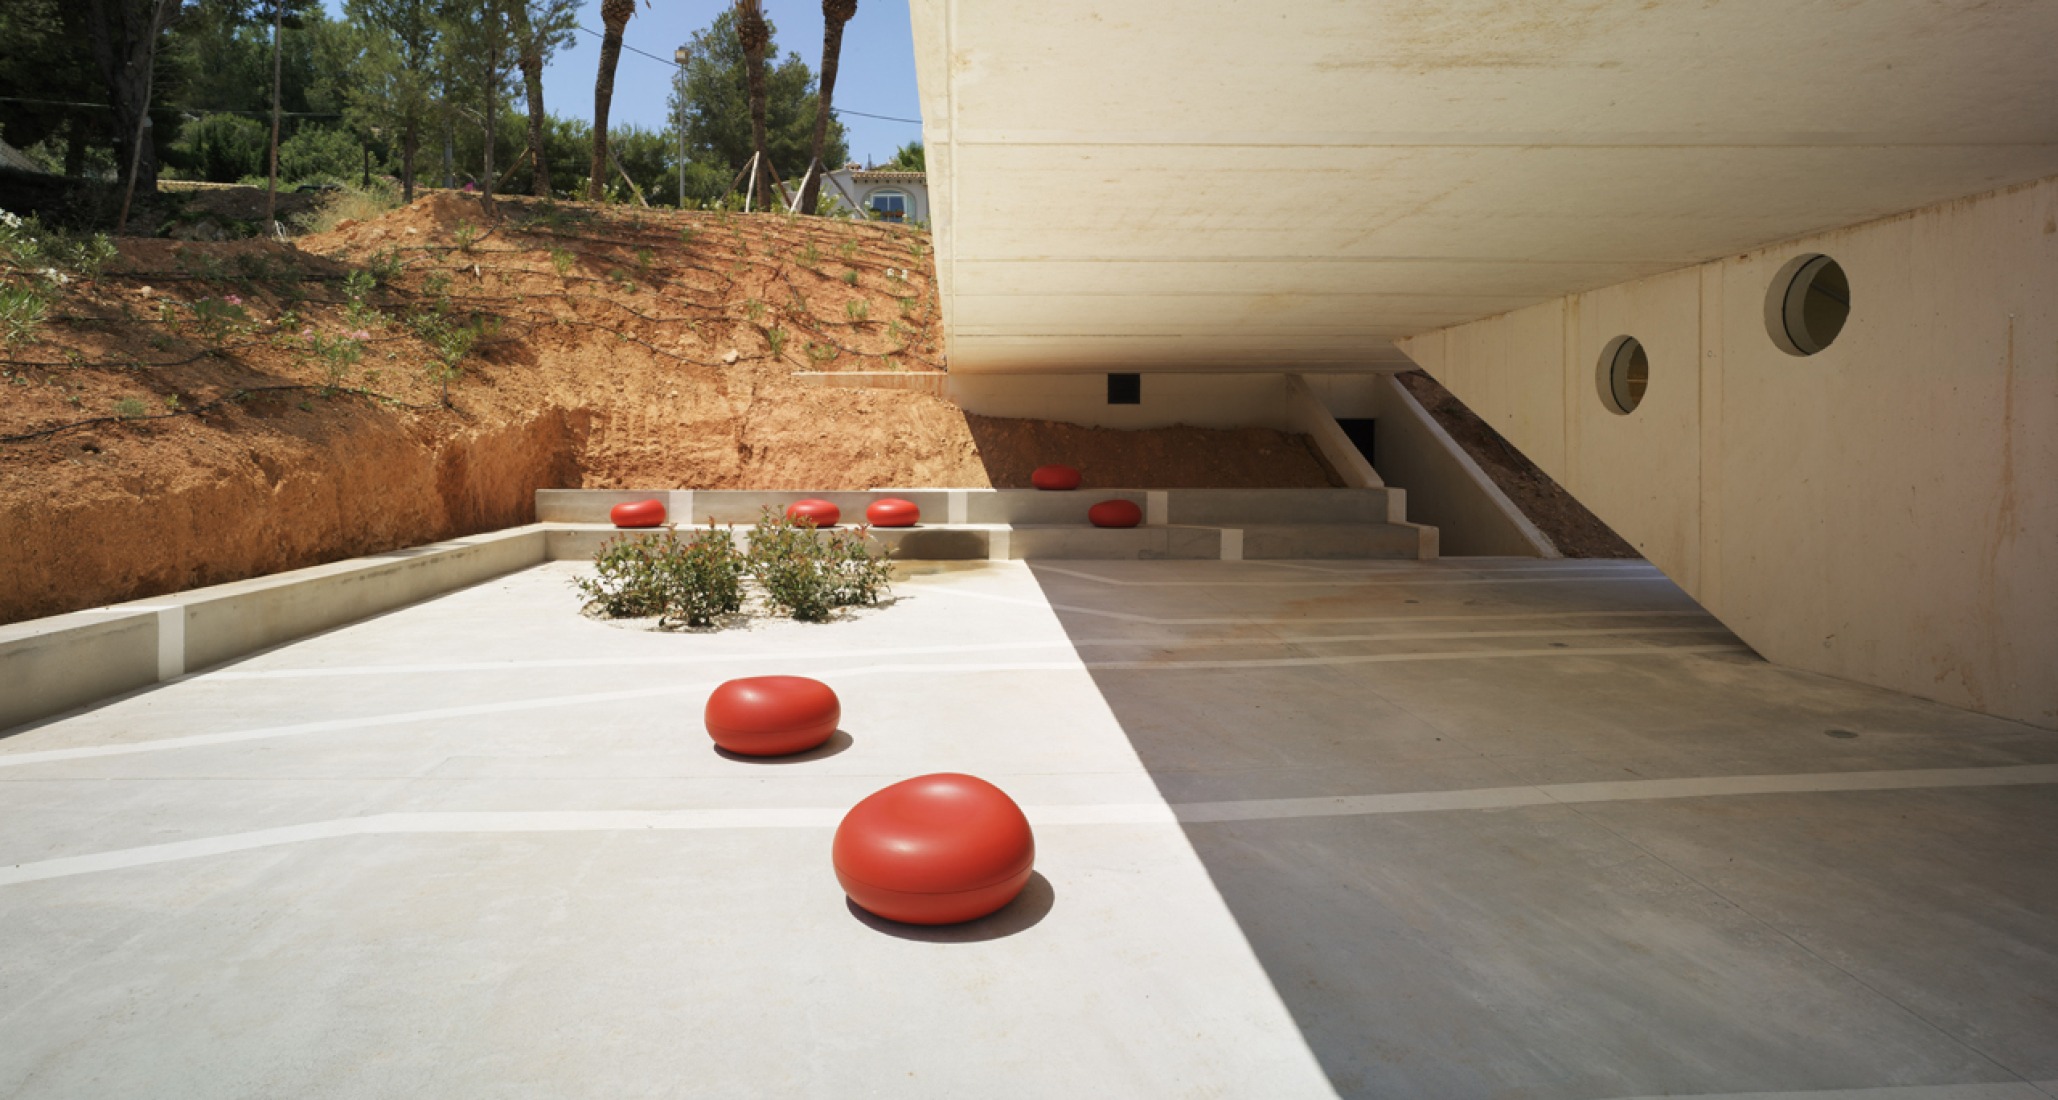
(716, 110)
(429, 90)
(907, 158)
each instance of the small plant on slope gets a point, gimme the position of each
(23, 306)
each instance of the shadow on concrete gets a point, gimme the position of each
(1025, 912)
(1560, 952)
(837, 742)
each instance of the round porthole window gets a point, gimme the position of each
(1808, 304)
(1624, 375)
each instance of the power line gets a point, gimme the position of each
(195, 112)
(675, 65)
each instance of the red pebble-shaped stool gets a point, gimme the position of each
(820, 512)
(893, 512)
(936, 849)
(1115, 513)
(1055, 477)
(642, 513)
(772, 715)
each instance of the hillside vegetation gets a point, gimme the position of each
(179, 414)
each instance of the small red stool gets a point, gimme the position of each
(1055, 477)
(1115, 513)
(772, 715)
(893, 512)
(823, 513)
(936, 849)
(642, 513)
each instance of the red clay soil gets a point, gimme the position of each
(1166, 458)
(174, 421)
(1576, 532)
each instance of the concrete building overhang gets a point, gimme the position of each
(1214, 185)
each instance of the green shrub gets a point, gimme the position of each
(808, 574)
(319, 154)
(705, 579)
(696, 579)
(224, 148)
(689, 580)
(23, 306)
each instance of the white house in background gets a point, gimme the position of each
(890, 196)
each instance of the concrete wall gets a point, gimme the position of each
(1446, 489)
(1885, 510)
(48, 666)
(1286, 402)
(1244, 400)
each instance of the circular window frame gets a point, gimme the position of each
(1786, 305)
(1614, 392)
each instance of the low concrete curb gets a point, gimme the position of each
(49, 666)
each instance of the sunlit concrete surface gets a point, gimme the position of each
(1480, 827)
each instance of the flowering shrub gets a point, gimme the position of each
(31, 248)
(809, 574)
(695, 580)
(34, 262)
(678, 579)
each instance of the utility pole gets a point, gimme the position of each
(679, 118)
(271, 190)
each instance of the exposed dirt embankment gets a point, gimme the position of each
(121, 532)
(197, 413)
(1575, 531)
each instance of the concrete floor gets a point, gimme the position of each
(1469, 828)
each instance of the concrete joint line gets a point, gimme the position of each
(802, 657)
(1232, 549)
(1187, 813)
(171, 639)
(1996, 1090)
(588, 699)
(1157, 506)
(1262, 620)
(957, 508)
(1345, 580)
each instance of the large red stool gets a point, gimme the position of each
(936, 849)
(823, 513)
(1055, 477)
(772, 715)
(642, 513)
(893, 512)
(1115, 513)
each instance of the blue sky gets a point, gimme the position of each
(876, 74)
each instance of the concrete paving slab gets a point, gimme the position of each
(1362, 829)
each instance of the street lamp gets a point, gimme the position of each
(679, 119)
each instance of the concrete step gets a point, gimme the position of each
(1048, 541)
(1242, 507)
(1199, 507)
(1081, 542)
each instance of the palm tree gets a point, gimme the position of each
(835, 13)
(529, 52)
(754, 36)
(614, 14)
